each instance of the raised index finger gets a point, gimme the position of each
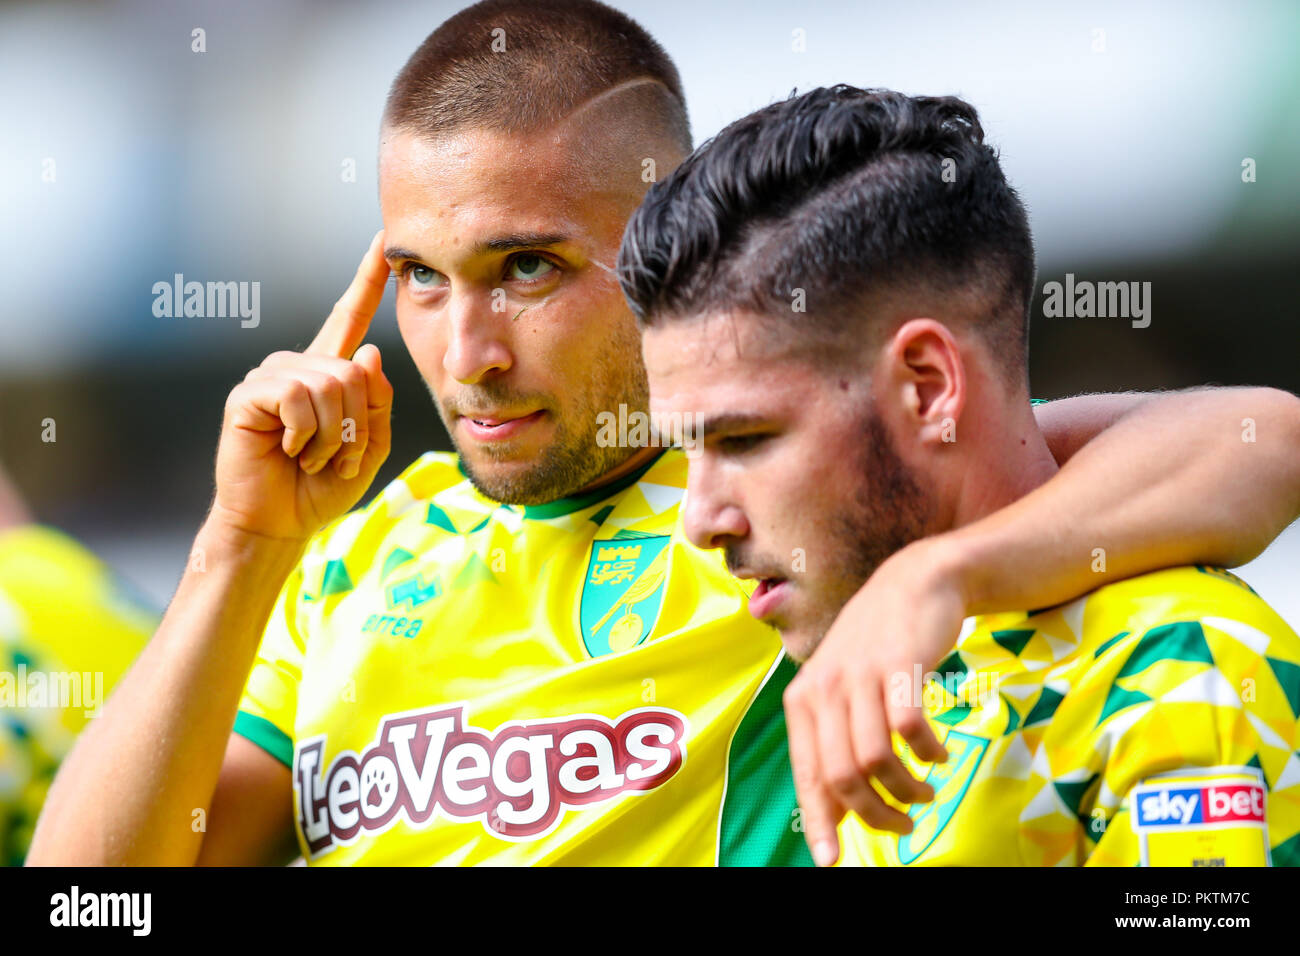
(345, 329)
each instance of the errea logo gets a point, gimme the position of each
(412, 592)
(393, 624)
(408, 594)
(517, 781)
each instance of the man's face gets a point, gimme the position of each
(503, 248)
(797, 477)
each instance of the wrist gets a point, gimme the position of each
(946, 566)
(224, 543)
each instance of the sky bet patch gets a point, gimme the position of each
(1214, 816)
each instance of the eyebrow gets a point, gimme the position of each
(521, 240)
(508, 243)
(732, 421)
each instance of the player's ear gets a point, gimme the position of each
(925, 370)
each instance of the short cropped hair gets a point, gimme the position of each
(843, 193)
(518, 66)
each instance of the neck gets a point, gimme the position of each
(1011, 460)
(629, 465)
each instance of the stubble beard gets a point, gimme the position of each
(892, 511)
(572, 459)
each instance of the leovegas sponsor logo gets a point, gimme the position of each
(517, 780)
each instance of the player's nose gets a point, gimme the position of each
(709, 516)
(477, 339)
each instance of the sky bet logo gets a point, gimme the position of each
(1182, 806)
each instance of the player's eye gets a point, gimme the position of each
(421, 278)
(739, 444)
(528, 266)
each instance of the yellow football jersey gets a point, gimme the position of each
(69, 629)
(455, 680)
(1152, 722)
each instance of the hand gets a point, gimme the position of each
(860, 684)
(305, 433)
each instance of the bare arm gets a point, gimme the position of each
(251, 820)
(158, 778)
(13, 511)
(128, 792)
(1070, 423)
(1203, 477)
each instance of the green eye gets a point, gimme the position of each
(421, 278)
(528, 266)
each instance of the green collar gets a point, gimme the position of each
(566, 506)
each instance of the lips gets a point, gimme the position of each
(768, 596)
(497, 427)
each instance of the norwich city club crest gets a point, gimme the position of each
(622, 592)
(950, 781)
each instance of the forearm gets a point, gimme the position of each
(13, 511)
(1177, 480)
(128, 791)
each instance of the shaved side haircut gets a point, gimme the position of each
(518, 66)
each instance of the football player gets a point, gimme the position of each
(511, 654)
(1154, 720)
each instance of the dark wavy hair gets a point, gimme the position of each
(842, 193)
